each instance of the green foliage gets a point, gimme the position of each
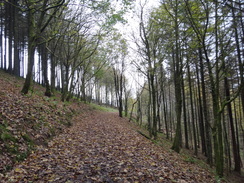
(11, 145)
(102, 108)
(190, 159)
(27, 138)
(219, 179)
(5, 136)
(2, 126)
(21, 156)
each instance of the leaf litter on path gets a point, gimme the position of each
(101, 147)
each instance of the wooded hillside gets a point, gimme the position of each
(185, 60)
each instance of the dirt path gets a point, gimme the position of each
(101, 147)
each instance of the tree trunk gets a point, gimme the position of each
(31, 51)
(205, 112)
(45, 70)
(28, 79)
(1, 38)
(177, 82)
(165, 106)
(120, 95)
(53, 76)
(192, 107)
(154, 106)
(149, 114)
(236, 154)
(178, 108)
(184, 115)
(10, 50)
(240, 61)
(201, 123)
(83, 89)
(65, 81)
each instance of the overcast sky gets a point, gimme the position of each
(132, 27)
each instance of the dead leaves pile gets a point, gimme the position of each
(26, 120)
(101, 147)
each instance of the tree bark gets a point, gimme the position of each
(205, 112)
(31, 52)
(192, 107)
(177, 82)
(44, 56)
(236, 152)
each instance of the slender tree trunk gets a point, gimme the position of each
(10, 50)
(201, 123)
(171, 118)
(138, 117)
(65, 81)
(5, 50)
(44, 57)
(126, 94)
(226, 144)
(158, 101)
(28, 79)
(132, 108)
(1, 38)
(154, 106)
(11, 36)
(189, 125)
(192, 108)
(149, 114)
(16, 52)
(236, 154)
(120, 96)
(31, 51)
(178, 108)
(83, 89)
(165, 111)
(178, 104)
(205, 112)
(177, 82)
(52, 60)
(240, 61)
(106, 94)
(184, 115)
(195, 102)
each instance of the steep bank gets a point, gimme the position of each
(27, 120)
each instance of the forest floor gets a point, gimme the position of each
(99, 146)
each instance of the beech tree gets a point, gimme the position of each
(149, 50)
(37, 11)
(118, 51)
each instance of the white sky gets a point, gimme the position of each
(136, 80)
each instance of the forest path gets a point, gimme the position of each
(101, 147)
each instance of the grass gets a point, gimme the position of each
(5, 136)
(102, 108)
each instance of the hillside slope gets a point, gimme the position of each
(26, 120)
